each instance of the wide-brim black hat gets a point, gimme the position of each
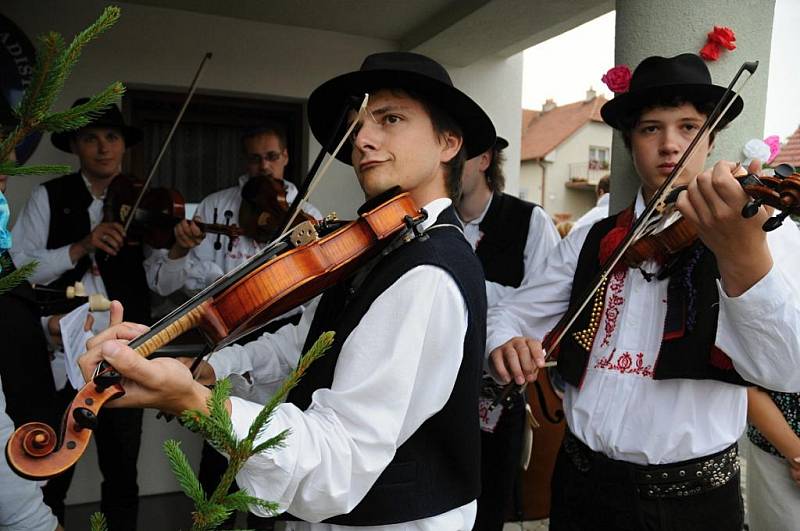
(398, 70)
(111, 117)
(500, 143)
(658, 78)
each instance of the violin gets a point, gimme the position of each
(264, 208)
(153, 220)
(291, 271)
(670, 232)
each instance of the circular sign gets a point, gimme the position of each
(17, 59)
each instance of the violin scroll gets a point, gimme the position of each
(780, 191)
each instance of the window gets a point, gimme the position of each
(205, 154)
(598, 158)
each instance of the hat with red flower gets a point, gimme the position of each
(660, 78)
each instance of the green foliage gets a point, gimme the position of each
(10, 281)
(97, 522)
(216, 427)
(55, 60)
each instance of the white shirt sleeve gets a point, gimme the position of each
(29, 241)
(759, 329)
(21, 504)
(534, 308)
(396, 369)
(270, 358)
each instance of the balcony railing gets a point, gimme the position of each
(588, 172)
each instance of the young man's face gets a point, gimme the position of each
(100, 150)
(659, 140)
(264, 156)
(399, 147)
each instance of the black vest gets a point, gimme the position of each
(501, 249)
(437, 468)
(123, 275)
(690, 328)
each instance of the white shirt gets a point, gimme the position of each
(204, 264)
(396, 369)
(620, 410)
(542, 238)
(598, 212)
(30, 235)
(21, 504)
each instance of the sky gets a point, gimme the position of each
(783, 93)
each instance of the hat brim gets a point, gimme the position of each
(623, 105)
(326, 102)
(132, 136)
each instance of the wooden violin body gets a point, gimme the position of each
(264, 207)
(296, 271)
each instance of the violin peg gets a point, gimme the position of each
(85, 418)
(774, 222)
(751, 209)
(783, 170)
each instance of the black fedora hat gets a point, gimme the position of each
(111, 117)
(657, 78)
(500, 143)
(399, 70)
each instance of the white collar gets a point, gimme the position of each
(604, 199)
(434, 208)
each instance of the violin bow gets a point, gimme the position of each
(164, 146)
(568, 319)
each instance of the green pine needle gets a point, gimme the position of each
(241, 501)
(13, 279)
(97, 522)
(11, 168)
(183, 471)
(80, 115)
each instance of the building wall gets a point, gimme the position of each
(558, 199)
(161, 48)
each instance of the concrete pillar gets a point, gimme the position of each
(671, 27)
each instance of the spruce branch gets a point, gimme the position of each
(183, 471)
(11, 168)
(216, 426)
(97, 522)
(13, 279)
(81, 115)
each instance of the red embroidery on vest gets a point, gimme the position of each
(615, 301)
(625, 364)
(719, 359)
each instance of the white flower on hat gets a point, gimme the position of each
(755, 149)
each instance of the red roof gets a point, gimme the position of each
(542, 132)
(790, 151)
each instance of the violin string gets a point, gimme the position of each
(662, 192)
(164, 146)
(362, 110)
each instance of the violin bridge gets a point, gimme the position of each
(303, 234)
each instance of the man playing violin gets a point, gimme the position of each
(194, 261)
(511, 238)
(62, 227)
(383, 427)
(656, 367)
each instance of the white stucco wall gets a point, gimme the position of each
(558, 199)
(162, 48)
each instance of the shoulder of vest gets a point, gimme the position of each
(61, 181)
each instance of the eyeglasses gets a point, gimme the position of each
(255, 158)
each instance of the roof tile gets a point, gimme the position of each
(542, 132)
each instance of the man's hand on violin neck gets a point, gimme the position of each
(713, 202)
(519, 359)
(162, 383)
(107, 237)
(187, 235)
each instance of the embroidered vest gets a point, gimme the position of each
(437, 468)
(123, 275)
(501, 249)
(690, 328)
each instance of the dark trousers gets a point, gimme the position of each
(500, 466)
(118, 437)
(605, 497)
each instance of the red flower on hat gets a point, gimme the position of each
(720, 37)
(618, 79)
